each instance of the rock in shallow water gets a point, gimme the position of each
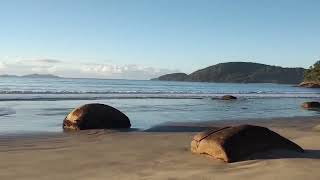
(96, 116)
(228, 97)
(232, 144)
(311, 105)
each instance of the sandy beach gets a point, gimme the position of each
(154, 155)
(159, 90)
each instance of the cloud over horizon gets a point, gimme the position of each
(81, 70)
(130, 71)
(48, 61)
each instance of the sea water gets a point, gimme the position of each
(41, 104)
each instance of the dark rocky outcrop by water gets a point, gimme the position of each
(310, 84)
(312, 77)
(240, 72)
(232, 144)
(311, 105)
(96, 116)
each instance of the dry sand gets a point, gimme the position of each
(154, 155)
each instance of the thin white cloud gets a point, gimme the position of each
(48, 61)
(131, 71)
(39, 62)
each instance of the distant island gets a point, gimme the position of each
(32, 76)
(240, 72)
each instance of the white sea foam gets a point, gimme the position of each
(88, 96)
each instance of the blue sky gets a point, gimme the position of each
(141, 39)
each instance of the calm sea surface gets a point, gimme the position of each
(40, 104)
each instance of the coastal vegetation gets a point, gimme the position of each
(313, 73)
(312, 76)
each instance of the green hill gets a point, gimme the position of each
(241, 72)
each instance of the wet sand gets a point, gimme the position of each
(160, 153)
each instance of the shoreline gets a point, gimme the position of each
(102, 96)
(303, 121)
(187, 126)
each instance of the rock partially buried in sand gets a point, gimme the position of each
(311, 105)
(228, 97)
(96, 116)
(232, 144)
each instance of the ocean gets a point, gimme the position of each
(30, 105)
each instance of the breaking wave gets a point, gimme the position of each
(96, 96)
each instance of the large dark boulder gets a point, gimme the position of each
(232, 144)
(311, 105)
(96, 116)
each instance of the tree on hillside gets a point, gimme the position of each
(313, 73)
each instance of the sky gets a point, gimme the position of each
(142, 39)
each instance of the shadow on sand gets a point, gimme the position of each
(285, 154)
(165, 128)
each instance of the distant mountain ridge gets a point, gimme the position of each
(240, 72)
(32, 76)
